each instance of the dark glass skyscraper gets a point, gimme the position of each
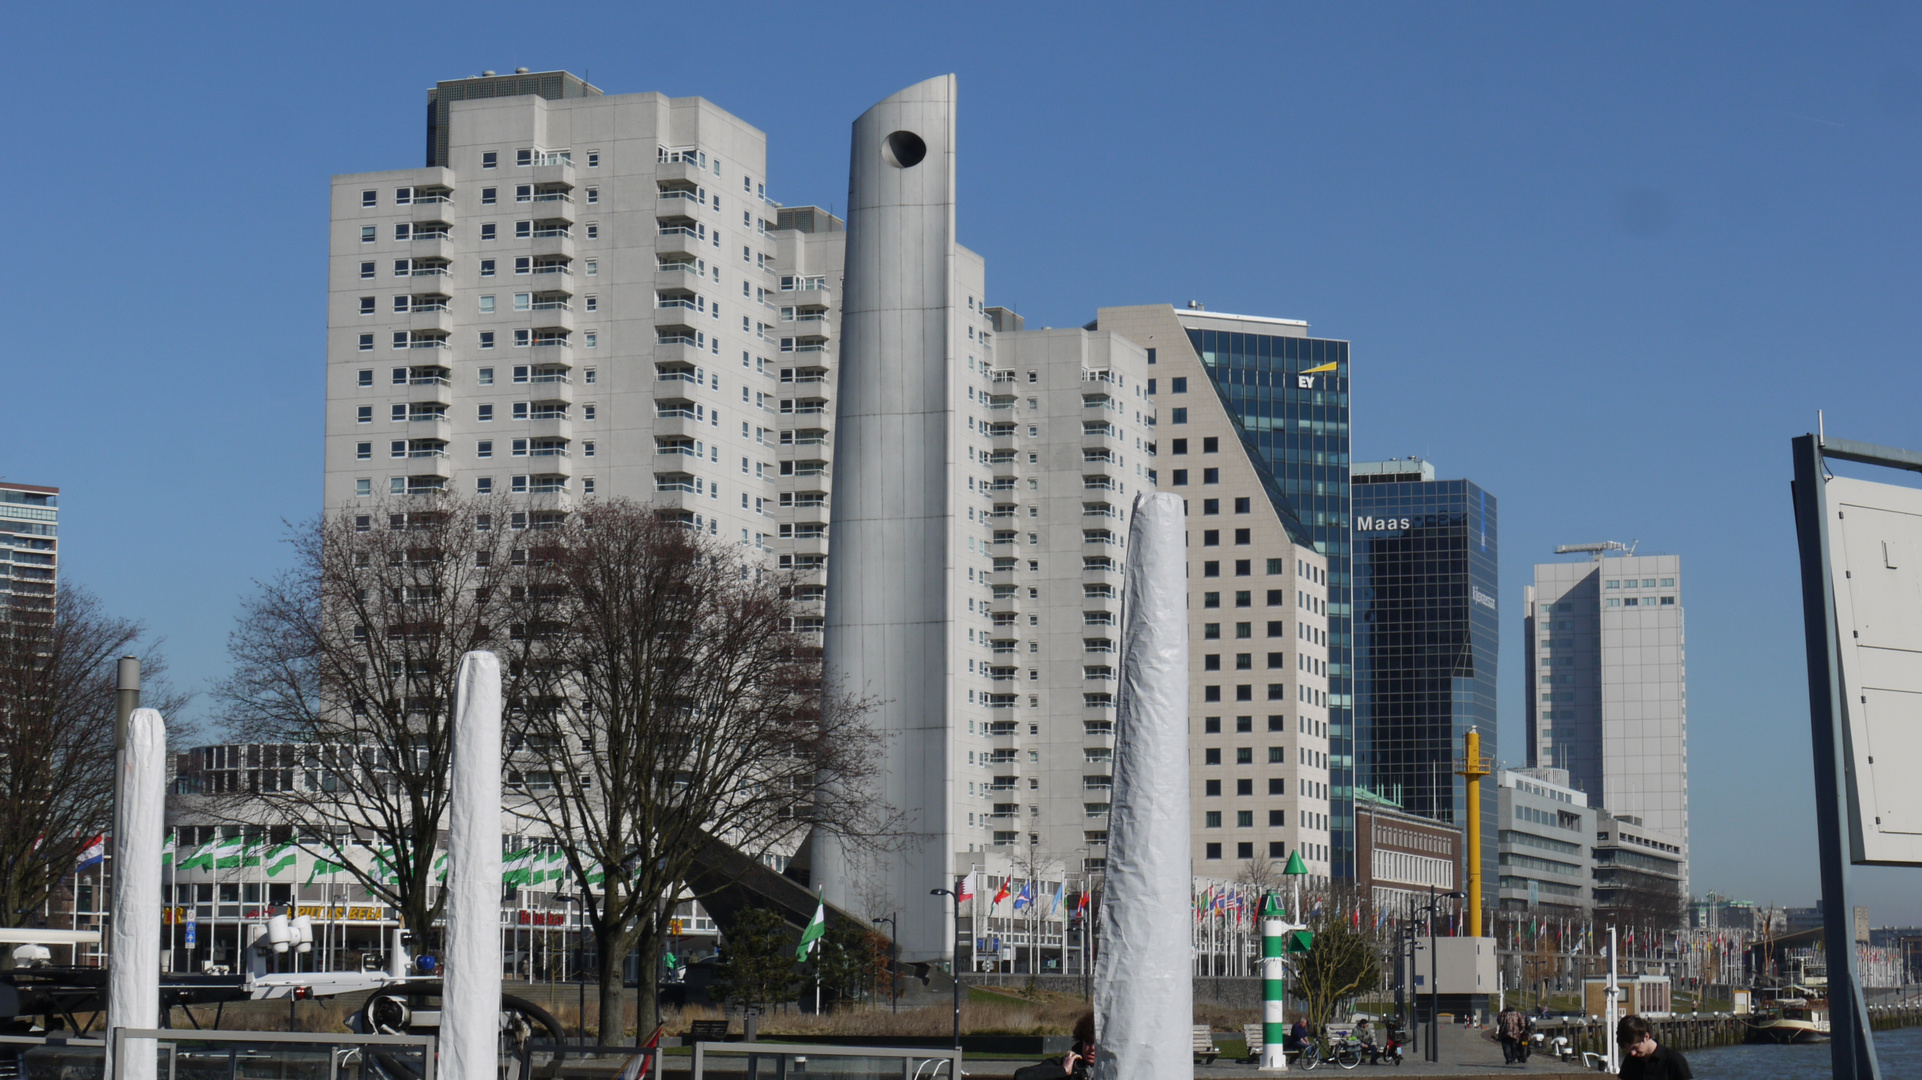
(1427, 632)
(1289, 395)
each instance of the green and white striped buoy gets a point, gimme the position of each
(1275, 929)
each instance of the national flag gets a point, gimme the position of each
(1057, 897)
(93, 854)
(1026, 897)
(1083, 905)
(964, 889)
(517, 868)
(167, 852)
(815, 928)
(1000, 894)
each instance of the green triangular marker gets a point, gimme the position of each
(1295, 865)
(1301, 941)
(1272, 909)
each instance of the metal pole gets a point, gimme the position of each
(1608, 1012)
(126, 698)
(1851, 1049)
(1434, 984)
(954, 968)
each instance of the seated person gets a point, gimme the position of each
(1297, 1037)
(1365, 1035)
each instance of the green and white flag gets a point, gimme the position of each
(281, 858)
(517, 868)
(816, 928)
(167, 852)
(440, 869)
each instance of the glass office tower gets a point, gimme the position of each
(1289, 395)
(1427, 632)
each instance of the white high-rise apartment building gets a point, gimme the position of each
(582, 295)
(29, 549)
(586, 296)
(1607, 673)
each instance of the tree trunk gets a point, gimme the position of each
(613, 950)
(647, 1008)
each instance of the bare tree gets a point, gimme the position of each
(345, 666)
(661, 703)
(57, 678)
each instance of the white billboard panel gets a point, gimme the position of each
(1875, 567)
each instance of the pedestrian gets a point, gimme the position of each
(1508, 1029)
(1077, 1063)
(1643, 1057)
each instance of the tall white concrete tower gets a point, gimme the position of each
(899, 535)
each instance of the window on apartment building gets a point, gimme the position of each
(1179, 477)
(1211, 476)
(1211, 506)
(1210, 537)
(1211, 599)
(1275, 566)
(366, 270)
(593, 230)
(369, 234)
(1211, 662)
(1244, 598)
(1178, 446)
(483, 485)
(1210, 631)
(1211, 568)
(364, 486)
(1211, 788)
(398, 447)
(487, 268)
(370, 198)
(1242, 566)
(489, 196)
(484, 448)
(1277, 628)
(1241, 504)
(1242, 537)
(486, 413)
(363, 451)
(1178, 384)
(1277, 723)
(366, 343)
(1211, 756)
(365, 414)
(366, 377)
(1277, 660)
(489, 159)
(488, 230)
(1211, 693)
(1211, 445)
(1178, 416)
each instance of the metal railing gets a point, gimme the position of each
(248, 1053)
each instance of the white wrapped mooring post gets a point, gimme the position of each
(1143, 992)
(471, 987)
(133, 971)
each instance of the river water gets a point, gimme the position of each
(1899, 1052)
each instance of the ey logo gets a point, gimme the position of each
(1306, 379)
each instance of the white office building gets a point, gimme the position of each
(1607, 672)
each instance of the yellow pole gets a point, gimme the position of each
(1474, 767)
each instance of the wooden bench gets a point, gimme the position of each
(1256, 1036)
(705, 1031)
(1205, 1049)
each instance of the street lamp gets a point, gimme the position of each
(1434, 972)
(580, 984)
(954, 963)
(894, 960)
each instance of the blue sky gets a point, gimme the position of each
(1602, 259)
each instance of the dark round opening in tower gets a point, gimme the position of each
(904, 149)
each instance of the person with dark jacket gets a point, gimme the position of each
(1645, 1059)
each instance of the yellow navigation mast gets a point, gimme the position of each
(1473, 767)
